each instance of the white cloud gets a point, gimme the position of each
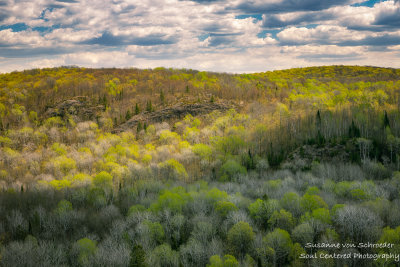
(326, 51)
(394, 47)
(175, 33)
(31, 38)
(355, 17)
(70, 36)
(104, 58)
(325, 34)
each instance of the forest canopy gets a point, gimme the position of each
(177, 167)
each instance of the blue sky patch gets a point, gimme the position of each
(264, 33)
(255, 16)
(18, 27)
(203, 37)
(369, 3)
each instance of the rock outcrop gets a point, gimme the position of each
(78, 107)
(303, 157)
(176, 112)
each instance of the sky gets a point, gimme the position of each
(236, 36)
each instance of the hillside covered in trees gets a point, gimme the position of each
(176, 167)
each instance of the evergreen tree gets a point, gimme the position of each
(248, 161)
(386, 122)
(105, 101)
(128, 115)
(354, 131)
(139, 127)
(149, 106)
(162, 97)
(138, 257)
(318, 120)
(137, 109)
(320, 138)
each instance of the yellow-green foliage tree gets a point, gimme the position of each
(172, 169)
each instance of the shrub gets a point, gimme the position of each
(103, 180)
(172, 169)
(224, 207)
(240, 238)
(86, 248)
(230, 170)
(227, 261)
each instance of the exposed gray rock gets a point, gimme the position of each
(176, 112)
(79, 108)
(302, 157)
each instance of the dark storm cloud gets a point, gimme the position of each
(213, 27)
(9, 52)
(384, 40)
(108, 39)
(53, 6)
(3, 15)
(330, 57)
(386, 17)
(389, 20)
(274, 21)
(126, 10)
(218, 39)
(67, 1)
(204, 1)
(286, 6)
(323, 38)
(151, 40)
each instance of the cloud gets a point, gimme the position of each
(284, 6)
(103, 58)
(296, 18)
(69, 36)
(380, 17)
(322, 34)
(3, 16)
(8, 38)
(233, 36)
(108, 39)
(336, 35)
(31, 52)
(205, 1)
(217, 39)
(329, 53)
(389, 14)
(67, 1)
(386, 39)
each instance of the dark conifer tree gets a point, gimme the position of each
(137, 109)
(139, 127)
(128, 115)
(386, 122)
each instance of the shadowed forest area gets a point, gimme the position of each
(176, 167)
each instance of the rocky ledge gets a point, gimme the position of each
(78, 107)
(176, 112)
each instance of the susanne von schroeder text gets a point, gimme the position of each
(347, 245)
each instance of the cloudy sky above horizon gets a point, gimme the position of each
(215, 35)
